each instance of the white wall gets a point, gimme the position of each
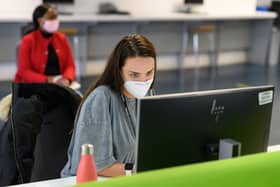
(18, 6)
(135, 6)
(231, 6)
(264, 2)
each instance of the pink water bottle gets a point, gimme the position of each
(86, 170)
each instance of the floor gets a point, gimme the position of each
(205, 79)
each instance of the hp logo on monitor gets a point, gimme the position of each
(217, 110)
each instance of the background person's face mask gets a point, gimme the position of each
(51, 26)
(137, 88)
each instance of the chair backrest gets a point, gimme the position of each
(26, 29)
(59, 109)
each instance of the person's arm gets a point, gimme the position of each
(116, 169)
(69, 70)
(94, 127)
(24, 64)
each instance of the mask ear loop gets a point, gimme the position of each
(126, 107)
(123, 100)
(152, 92)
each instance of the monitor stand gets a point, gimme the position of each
(229, 148)
(65, 13)
(63, 9)
(188, 9)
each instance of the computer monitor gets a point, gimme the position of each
(193, 1)
(62, 6)
(179, 129)
(59, 1)
(189, 4)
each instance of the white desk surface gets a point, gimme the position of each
(68, 181)
(86, 17)
(72, 180)
(273, 148)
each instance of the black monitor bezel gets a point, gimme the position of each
(195, 94)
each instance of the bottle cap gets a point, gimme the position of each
(128, 169)
(128, 166)
(87, 149)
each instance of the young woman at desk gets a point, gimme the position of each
(45, 54)
(107, 118)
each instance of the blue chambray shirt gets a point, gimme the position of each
(105, 123)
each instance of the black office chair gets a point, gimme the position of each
(42, 118)
(275, 7)
(26, 29)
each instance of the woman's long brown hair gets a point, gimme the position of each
(130, 46)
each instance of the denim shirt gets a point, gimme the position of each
(109, 125)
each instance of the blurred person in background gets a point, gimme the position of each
(45, 54)
(107, 116)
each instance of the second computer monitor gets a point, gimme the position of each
(193, 1)
(59, 1)
(180, 129)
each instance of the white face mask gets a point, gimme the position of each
(137, 88)
(51, 26)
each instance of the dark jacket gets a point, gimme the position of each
(35, 138)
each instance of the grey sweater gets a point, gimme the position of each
(104, 122)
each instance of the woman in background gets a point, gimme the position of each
(45, 54)
(107, 117)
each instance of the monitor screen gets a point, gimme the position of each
(193, 1)
(58, 1)
(179, 129)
